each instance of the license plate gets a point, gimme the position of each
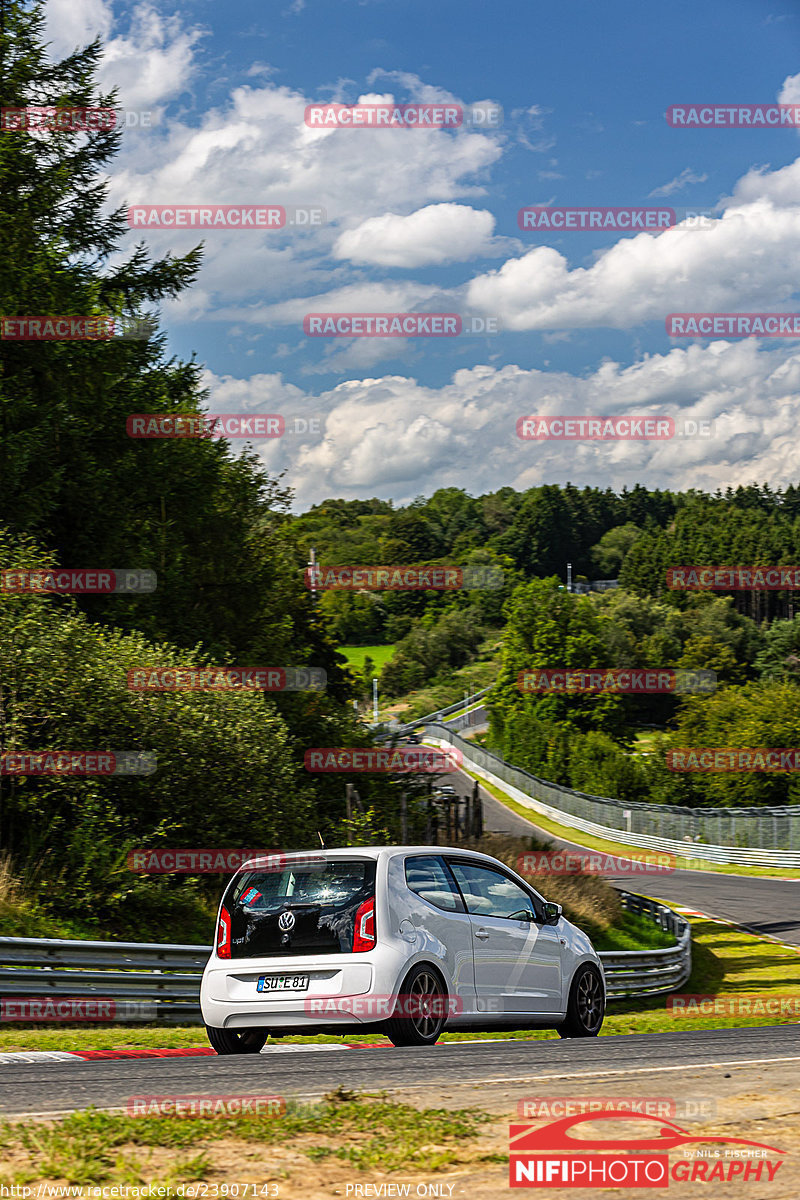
(283, 983)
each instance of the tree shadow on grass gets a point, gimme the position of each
(708, 971)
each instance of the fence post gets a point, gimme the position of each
(403, 818)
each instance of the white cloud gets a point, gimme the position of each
(150, 64)
(746, 259)
(70, 24)
(391, 436)
(790, 90)
(687, 176)
(257, 145)
(439, 233)
(528, 125)
(781, 187)
(154, 62)
(365, 297)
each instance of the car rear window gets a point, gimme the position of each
(322, 900)
(429, 879)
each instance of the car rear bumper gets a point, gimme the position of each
(341, 991)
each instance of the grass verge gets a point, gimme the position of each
(365, 1133)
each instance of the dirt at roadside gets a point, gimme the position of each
(757, 1103)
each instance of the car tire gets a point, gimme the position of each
(587, 1004)
(237, 1041)
(425, 986)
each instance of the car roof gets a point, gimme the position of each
(374, 852)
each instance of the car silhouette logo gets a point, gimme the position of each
(286, 921)
(557, 1136)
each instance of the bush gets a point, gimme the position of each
(588, 900)
(225, 775)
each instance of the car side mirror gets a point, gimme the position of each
(552, 912)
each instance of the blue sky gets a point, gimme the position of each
(427, 221)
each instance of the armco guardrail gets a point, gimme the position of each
(146, 981)
(631, 973)
(150, 982)
(467, 720)
(400, 730)
(759, 837)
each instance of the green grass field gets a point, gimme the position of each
(355, 655)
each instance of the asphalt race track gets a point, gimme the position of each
(309, 1071)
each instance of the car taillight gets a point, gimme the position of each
(364, 935)
(224, 934)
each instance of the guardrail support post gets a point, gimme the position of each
(403, 818)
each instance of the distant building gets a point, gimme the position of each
(595, 585)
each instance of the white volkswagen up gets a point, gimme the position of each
(404, 939)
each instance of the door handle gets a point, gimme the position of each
(482, 934)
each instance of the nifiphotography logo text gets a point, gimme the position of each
(562, 1154)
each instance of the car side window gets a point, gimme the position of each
(428, 878)
(490, 893)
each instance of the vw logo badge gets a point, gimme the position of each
(286, 921)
